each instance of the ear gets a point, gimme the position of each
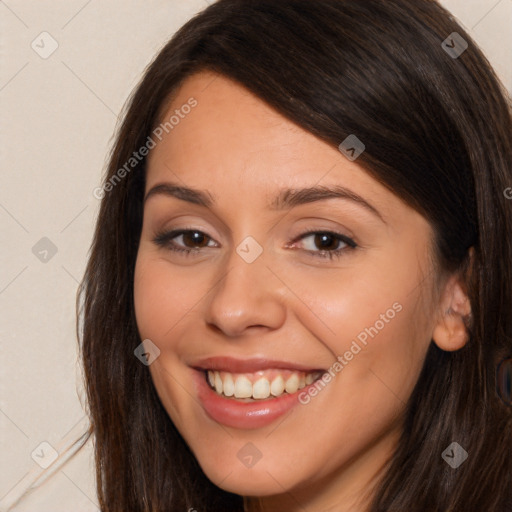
(454, 312)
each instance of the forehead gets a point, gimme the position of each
(231, 140)
(229, 118)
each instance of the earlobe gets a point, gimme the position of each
(450, 332)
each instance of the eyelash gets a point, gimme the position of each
(164, 239)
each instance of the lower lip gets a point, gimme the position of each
(242, 415)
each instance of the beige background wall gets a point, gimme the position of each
(58, 117)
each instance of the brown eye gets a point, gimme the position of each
(191, 241)
(327, 244)
(195, 238)
(326, 241)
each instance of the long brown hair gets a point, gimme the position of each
(437, 131)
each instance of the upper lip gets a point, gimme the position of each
(233, 365)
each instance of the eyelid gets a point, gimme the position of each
(165, 238)
(162, 237)
(348, 239)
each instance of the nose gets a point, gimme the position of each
(247, 296)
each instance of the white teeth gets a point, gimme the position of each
(243, 387)
(229, 385)
(277, 387)
(218, 382)
(292, 384)
(261, 388)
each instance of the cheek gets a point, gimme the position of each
(373, 324)
(378, 348)
(162, 297)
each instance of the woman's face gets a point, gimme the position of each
(259, 303)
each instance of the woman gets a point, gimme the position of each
(298, 292)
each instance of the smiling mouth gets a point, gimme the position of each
(260, 385)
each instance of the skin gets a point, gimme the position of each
(288, 304)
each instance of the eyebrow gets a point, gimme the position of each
(287, 198)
